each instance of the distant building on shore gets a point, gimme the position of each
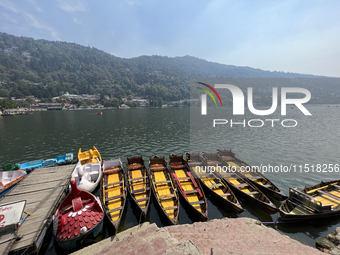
(48, 106)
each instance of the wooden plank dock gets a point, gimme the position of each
(43, 189)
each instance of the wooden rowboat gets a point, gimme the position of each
(216, 186)
(113, 191)
(319, 201)
(163, 188)
(138, 183)
(253, 175)
(240, 185)
(89, 156)
(79, 216)
(188, 187)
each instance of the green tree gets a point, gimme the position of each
(4, 92)
(7, 104)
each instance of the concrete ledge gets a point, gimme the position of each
(226, 236)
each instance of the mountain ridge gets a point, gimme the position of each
(46, 69)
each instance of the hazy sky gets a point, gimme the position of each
(290, 36)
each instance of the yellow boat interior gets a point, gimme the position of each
(321, 198)
(114, 194)
(89, 156)
(164, 188)
(214, 184)
(215, 165)
(138, 181)
(192, 191)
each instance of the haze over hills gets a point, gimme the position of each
(46, 69)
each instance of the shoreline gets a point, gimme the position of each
(218, 236)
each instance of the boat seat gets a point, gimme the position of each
(112, 198)
(142, 199)
(336, 186)
(116, 209)
(135, 167)
(157, 169)
(267, 185)
(197, 202)
(228, 158)
(138, 178)
(214, 162)
(170, 208)
(215, 185)
(191, 191)
(162, 182)
(112, 170)
(255, 177)
(137, 183)
(167, 196)
(207, 176)
(112, 184)
(328, 194)
(140, 190)
(77, 204)
(184, 178)
(94, 175)
(241, 185)
(252, 193)
(225, 195)
(176, 167)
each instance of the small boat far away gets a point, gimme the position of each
(113, 191)
(163, 188)
(138, 183)
(188, 187)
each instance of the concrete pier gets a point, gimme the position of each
(226, 236)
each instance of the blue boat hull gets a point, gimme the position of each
(31, 165)
(65, 159)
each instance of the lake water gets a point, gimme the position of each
(130, 132)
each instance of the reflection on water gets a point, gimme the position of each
(148, 132)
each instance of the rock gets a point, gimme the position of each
(335, 251)
(325, 243)
(185, 248)
(330, 242)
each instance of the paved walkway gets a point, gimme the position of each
(226, 236)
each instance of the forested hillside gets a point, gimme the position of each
(46, 69)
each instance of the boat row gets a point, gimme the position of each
(168, 182)
(29, 166)
(81, 214)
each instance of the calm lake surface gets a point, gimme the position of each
(131, 132)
